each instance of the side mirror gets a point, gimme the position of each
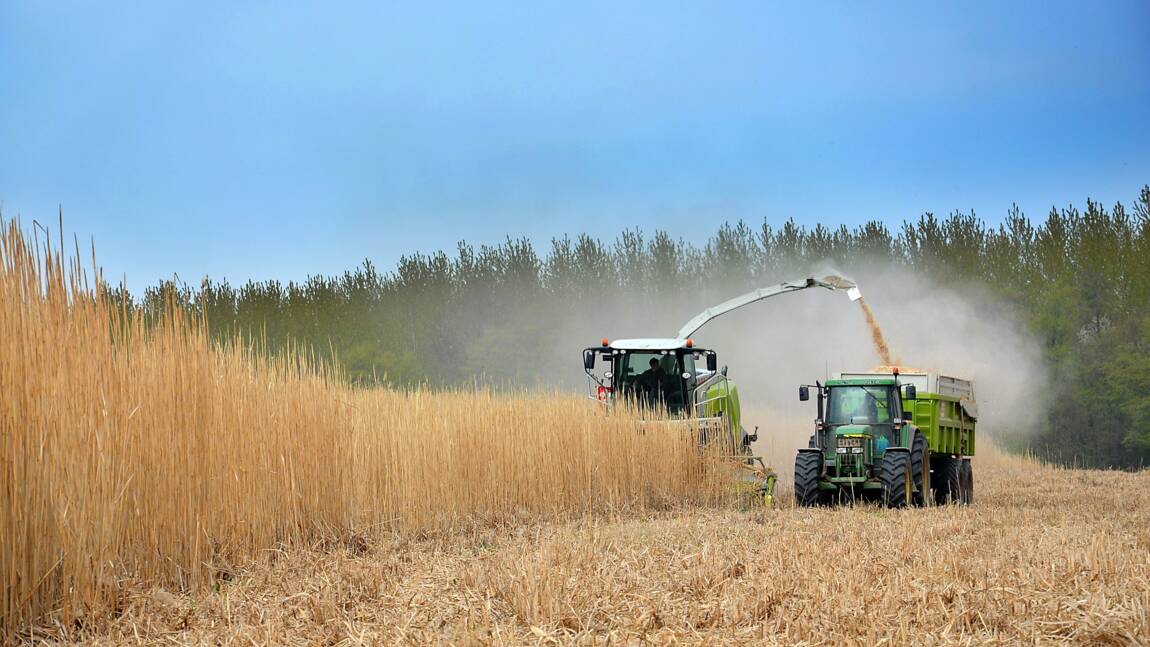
(724, 371)
(911, 392)
(712, 362)
(804, 394)
(588, 360)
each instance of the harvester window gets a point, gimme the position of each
(655, 376)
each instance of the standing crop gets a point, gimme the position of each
(135, 451)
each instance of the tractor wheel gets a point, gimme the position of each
(920, 468)
(947, 480)
(808, 466)
(967, 479)
(896, 478)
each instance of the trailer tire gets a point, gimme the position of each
(896, 478)
(948, 480)
(967, 479)
(920, 468)
(808, 467)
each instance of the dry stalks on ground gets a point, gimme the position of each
(1045, 556)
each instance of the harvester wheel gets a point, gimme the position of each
(967, 479)
(948, 480)
(896, 478)
(808, 465)
(920, 468)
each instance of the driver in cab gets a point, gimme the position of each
(868, 412)
(652, 378)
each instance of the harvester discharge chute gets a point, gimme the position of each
(677, 376)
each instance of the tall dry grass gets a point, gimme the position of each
(133, 453)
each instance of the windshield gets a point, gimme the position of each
(860, 405)
(651, 376)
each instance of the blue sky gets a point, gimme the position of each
(279, 139)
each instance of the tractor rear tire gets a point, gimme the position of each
(808, 466)
(896, 479)
(967, 480)
(920, 468)
(948, 480)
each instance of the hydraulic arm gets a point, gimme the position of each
(827, 282)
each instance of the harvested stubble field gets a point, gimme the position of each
(1046, 555)
(157, 488)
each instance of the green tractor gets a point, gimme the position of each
(900, 439)
(675, 376)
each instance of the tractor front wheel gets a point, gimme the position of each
(808, 467)
(897, 484)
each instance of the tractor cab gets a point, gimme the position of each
(663, 373)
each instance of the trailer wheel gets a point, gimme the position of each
(967, 479)
(948, 480)
(896, 478)
(808, 466)
(920, 468)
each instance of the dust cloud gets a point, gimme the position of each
(776, 345)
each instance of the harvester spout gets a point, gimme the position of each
(830, 282)
(839, 283)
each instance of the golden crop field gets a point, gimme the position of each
(156, 488)
(132, 454)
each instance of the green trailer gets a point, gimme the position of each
(901, 438)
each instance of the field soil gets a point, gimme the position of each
(1045, 555)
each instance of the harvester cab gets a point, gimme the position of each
(670, 374)
(648, 371)
(883, 435)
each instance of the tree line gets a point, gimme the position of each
(1080, 278)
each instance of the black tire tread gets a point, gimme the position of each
(808, 465)
(967, 479)
(919, 457)
(893, 475)
(947, 480)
